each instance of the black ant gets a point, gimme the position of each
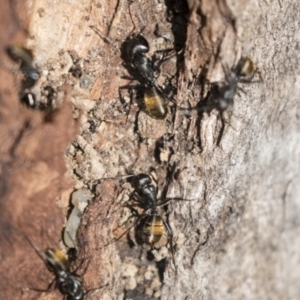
(155, 104)
(152, 229)
(68, 283)
(221, 93)
(146, 195)
(31, 75)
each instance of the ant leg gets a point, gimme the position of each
(130, 88)
(106, 39)
(167, 54)
(130, 101)
(170, 241)
(93, 290)
(38, 251)
(80, 264)
(249, 80)
(222, 129)
(49, 288)
(138, 199)
(124, 233)
(226, 70)
(116, 20)
(239, 89)
(121, 177)
(168, 200)
(111, 36)
(141, 20)
(227, 14)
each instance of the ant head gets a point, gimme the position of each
(141, 180)
(137, 45)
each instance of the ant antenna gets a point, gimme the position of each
(139, 18)
(39, 252)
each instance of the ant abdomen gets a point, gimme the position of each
(153, 229)
(155, 104)
(245, 67)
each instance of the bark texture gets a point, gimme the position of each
(239, 237)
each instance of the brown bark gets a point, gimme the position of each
(240, 238)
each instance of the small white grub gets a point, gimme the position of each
(80, 199)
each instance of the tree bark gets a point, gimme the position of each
(238, 235)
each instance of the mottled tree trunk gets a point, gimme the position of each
(238, 236)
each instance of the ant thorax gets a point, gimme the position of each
(145, 68)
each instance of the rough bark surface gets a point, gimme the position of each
(239, 237)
